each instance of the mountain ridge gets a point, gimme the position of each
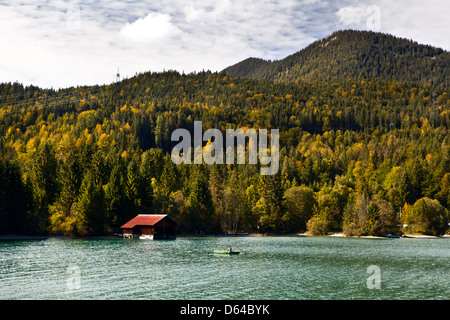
(353, 54)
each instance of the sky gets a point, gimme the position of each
(63, 43)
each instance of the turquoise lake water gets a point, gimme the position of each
(276, 268)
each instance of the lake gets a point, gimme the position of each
(276, 268)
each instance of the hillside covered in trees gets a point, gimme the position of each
(355, 54)
(362, 156)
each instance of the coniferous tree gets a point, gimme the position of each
(45, 186)
(200, 204)
(146, 193)
(62, 212)
(115, 198)
(91, 207)
(14, 203)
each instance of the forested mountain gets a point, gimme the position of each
(353, 54)
(357, 155)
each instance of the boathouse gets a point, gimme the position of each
(150, 226)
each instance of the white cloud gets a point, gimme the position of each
(426, 22)
(155, 26)
(62, 43)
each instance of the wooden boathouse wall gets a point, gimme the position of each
(158, 226)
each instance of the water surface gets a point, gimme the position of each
(276, 268)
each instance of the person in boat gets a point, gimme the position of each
(229, 249)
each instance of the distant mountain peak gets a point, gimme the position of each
(353, 54)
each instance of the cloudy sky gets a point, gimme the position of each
(61, 43)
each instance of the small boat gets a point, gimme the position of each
(392, 236)
(226, 252)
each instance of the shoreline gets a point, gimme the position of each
(240, 235)
(406, 236)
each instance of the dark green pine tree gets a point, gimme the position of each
(44, 181)
(62, 211)
(14, 202)
(70, 177)
(143, 128)
(146, 189)
(161, 132)
(123, 192)
(169, 176)
(115, 196)
(200, 204)
(91, 209)
(273, 194)
(414, 180)
(131, 190)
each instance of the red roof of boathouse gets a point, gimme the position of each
(145, 220)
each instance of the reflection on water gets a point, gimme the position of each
(267, 268)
